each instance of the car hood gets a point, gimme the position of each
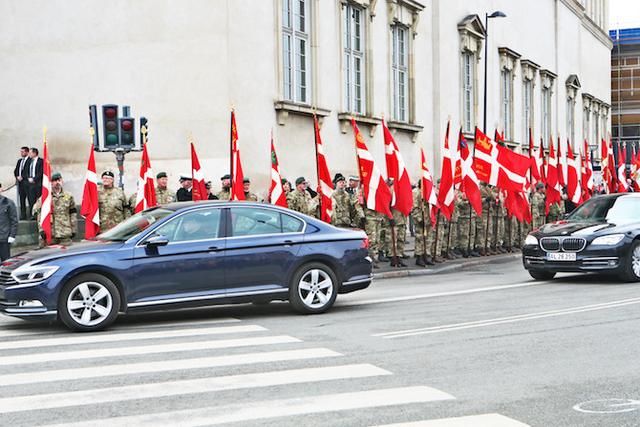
(582, 228)
(54, 252)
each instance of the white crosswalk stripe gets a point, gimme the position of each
(86, 378)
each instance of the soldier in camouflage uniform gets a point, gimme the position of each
(483, 223)
(248, 195)
(300, 200)
(556, 211)
(420, 214)
(64, 222)
(538, 206)
(344, 204)
(466, 227)
(112, 203)
(395, 226)
(163, 194)
(225, 193)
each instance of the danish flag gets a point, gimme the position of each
(325, 186)
(446, 195)
(199, 189)
(470, 184)
(90, 208)
(574, 191)
(146, 195)
(402, 197)
(428, 191)
(237, 177)
(45, 198)
(276, 192)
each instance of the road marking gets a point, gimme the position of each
(184, 387)
(442, 294)
(164, 366)
(150, 349)
(128, 336)
(277, 408)
(608, 406)
(509, 319)
(484, 420)
(30, 331)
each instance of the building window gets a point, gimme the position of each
(545, 105)
(527, 104)
(400, 71)
(596, 126)
(586, 125)
(296, 50)
(468, 101)
(571, 119)
(354, 59)
(506, 104)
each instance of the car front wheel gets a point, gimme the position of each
(542, 275)
(631, 270)
(89, 302)
(313, 289)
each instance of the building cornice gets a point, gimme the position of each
(508, 52)
(579, 10)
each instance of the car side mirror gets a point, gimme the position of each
(155, 241)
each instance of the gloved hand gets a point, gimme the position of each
(43, 236)
(11, 240)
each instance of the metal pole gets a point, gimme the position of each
(316, 129)
(231, 156)
(486, 52)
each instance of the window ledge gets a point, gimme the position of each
(345, 121)
(412, 128)
(284, 108)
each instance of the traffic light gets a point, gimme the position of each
(144, 131)
(127, 132)
(93, 123)
(110, 126)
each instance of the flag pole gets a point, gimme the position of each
(316, 130)
(231, 155)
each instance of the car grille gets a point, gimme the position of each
(6, 279)
(573, 244)
(566, 244)
(550, 244)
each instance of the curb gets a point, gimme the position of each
(446, 268)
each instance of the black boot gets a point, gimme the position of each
(420, 261)
(382, 258)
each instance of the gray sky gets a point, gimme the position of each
(624, 14)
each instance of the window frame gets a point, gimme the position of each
(400, 67)
(527, 108)
(354, 33)
(545, 112)
(295, 70)
(221, 227)
(506, 102)
(229, 222)
(468, 90)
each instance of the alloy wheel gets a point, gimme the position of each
(315, 288)
(89, 303)
(635, 261)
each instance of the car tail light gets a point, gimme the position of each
(365, 243)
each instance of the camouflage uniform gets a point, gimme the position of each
(131, 203)
(113, 207)
(424, 234)
(302, 202)
(482, 239)
(224, 194)
(165, 196)
(466, 225)
(538, 205)
(64, 219)
(373, 226)
(556, 210)
(400, 230)
(441, 240)
(250, 197)
(343, 209)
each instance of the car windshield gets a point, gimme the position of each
(134, 225)
(618, 210)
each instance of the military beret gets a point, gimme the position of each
(185, 177)
(539, 186)
(56, 176)
(300, 180)
(338, 177)
(223, 177)
(107, 173)
(161, 175)
(354, 178)
(283, 181)
(246, 180)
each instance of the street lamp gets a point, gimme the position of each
(496, 14)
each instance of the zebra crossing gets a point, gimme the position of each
(198, 373)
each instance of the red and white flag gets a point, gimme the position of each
(498, 165)
(199, 188)
(376, 191)
(146, 195)
(470, 184)
(402, 196)
(541, 163)
(554, 191)
(237, 177)
(45, 198)
(562, 165)
(604, 164)
(574, 190)
(90, 208)
(446, 195)
(428, 191)
(276, 192)
(325, 186)
(534, 162)
(623, 186)
(587, 174)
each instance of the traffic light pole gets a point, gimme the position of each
(120, 152)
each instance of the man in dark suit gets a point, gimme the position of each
(36, 168)
(21, 172)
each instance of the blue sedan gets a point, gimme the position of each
(188, 255)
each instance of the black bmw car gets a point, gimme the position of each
(601, 235)
(186, 255)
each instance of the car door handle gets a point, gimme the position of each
(288, 242)
(214, 248)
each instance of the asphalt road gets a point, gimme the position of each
(482, 346)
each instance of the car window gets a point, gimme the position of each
(202, 224)
(624, 210)
(135, 224)
(257, 221)
(618, 210)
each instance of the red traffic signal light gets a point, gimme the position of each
(110, 126)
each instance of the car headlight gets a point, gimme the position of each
(33, 273)
(531, 240)
(611, 239)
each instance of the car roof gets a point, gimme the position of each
(177, 206)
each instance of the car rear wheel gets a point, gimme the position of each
(631, 270)
(89, 302)
(313, 289)
(542, 275)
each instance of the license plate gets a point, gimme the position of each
(561, 256)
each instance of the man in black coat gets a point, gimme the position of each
(8, 225)
(184, 193)
(21, 172)
(36, 169)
